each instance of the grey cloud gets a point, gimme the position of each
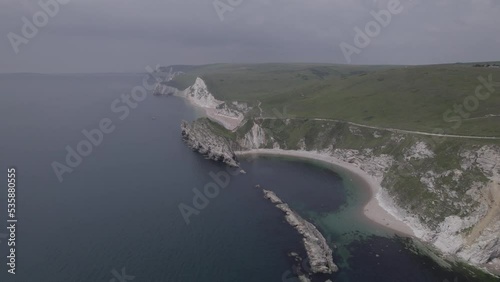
(126, 35)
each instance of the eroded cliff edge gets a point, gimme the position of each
(446, 189)
(204, 137)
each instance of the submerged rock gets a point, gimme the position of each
(200, 136)
(317, 249)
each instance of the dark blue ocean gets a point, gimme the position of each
(116, 216)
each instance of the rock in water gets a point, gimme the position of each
(200, 136)
(318, 251)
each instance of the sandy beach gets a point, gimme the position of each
(372, 210)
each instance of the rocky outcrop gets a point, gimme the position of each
(164, 75)
(455, 193)
(229, 115)
(318, 251)
(254, 139)
(482, 243)
(455, 207)
(473, 236)
(199, 95)
(201, 137)
(163, 89)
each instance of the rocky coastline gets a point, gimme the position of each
(318, 252)
(467, 190)
(199, 136)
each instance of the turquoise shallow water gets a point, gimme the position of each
(119, 209)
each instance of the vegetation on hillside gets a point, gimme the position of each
(410, 98)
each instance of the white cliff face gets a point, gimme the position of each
(483, 241)
(388, 204)
(201, 138)
(451, 235)
(448, 238)
(198, 95)
(473, 235)
(218, 111)
(254, 139)
(486, 248)
(474, 238)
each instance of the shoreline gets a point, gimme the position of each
(209, 109)
(372, 210)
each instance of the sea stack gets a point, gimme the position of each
(318, 251)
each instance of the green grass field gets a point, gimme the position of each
(411, 98)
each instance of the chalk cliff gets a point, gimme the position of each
(446, 189)
(201, 137)
(229, 115)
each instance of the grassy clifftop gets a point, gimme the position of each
(422, 98)
(430, 181)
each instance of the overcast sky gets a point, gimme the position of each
(127, 35)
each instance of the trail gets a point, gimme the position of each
(483, 117)
(395, 130)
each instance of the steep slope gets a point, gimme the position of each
(442, 183)
(229, 115)
(205, 137)
(445, 189)
(454, 99)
